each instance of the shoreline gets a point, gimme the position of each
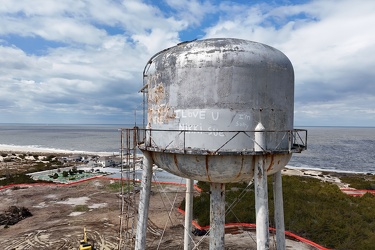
(4, 148)
(32, 149)
(337, 171)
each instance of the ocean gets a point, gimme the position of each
(338, 148)
(349, 149)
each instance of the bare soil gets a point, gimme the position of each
(61, 212)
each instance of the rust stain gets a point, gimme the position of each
(175, 160)
(271, 164)
(159, 110)
(208, 176)
(259, 172)
(197, 159)
(240, 171)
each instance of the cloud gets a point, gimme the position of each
(192, 11)
(329, 44)
(83, 60)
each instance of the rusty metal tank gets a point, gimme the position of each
(207, 102)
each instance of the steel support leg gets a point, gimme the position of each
(188, 214)
(217, 216)
(279, 210)
(261, 204)
(261, 190)
(144, 202)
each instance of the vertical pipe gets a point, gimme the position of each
(217, 216)
(279, 210)
(261, 192)
(144, 202)
(188, 214)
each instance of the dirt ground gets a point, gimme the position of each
(61, 212)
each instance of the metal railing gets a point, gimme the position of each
(222, 142)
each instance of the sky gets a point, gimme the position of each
(81, 61)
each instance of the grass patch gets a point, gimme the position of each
(81, 208)
(116, 186)
(316, 210)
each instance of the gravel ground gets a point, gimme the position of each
(61, 212)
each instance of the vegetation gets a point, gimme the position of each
(16, 179)
(360, 182)
(316, 210)
(81, 208)
(50, 158)
(13, 163)
(41, 166)
(14, 168)
(54, 176)
(65, 174)
(116, 186)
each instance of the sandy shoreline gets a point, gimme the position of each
(325, 175)
(32, 149)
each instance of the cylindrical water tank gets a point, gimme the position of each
(212, 98)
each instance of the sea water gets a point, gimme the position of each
(89, 138)
(328, 148)
(338, 148)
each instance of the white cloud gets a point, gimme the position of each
(192, 11)
(328, 42)
(101, 47)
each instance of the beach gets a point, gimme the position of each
(39, 150)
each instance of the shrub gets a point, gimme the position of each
(17, 179)
(81, 208)
(74, 169)
(360, 182)
(316, 210)
(65, 174)
(50, 157)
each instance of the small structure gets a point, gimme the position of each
(109, 161)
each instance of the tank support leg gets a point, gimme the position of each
(261, 190)
(188, 214)
(144, 202)
(217, 216)
(279, 210)
(261, 204)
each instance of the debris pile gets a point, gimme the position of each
(13, 215)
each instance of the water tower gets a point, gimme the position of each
(220, 111)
